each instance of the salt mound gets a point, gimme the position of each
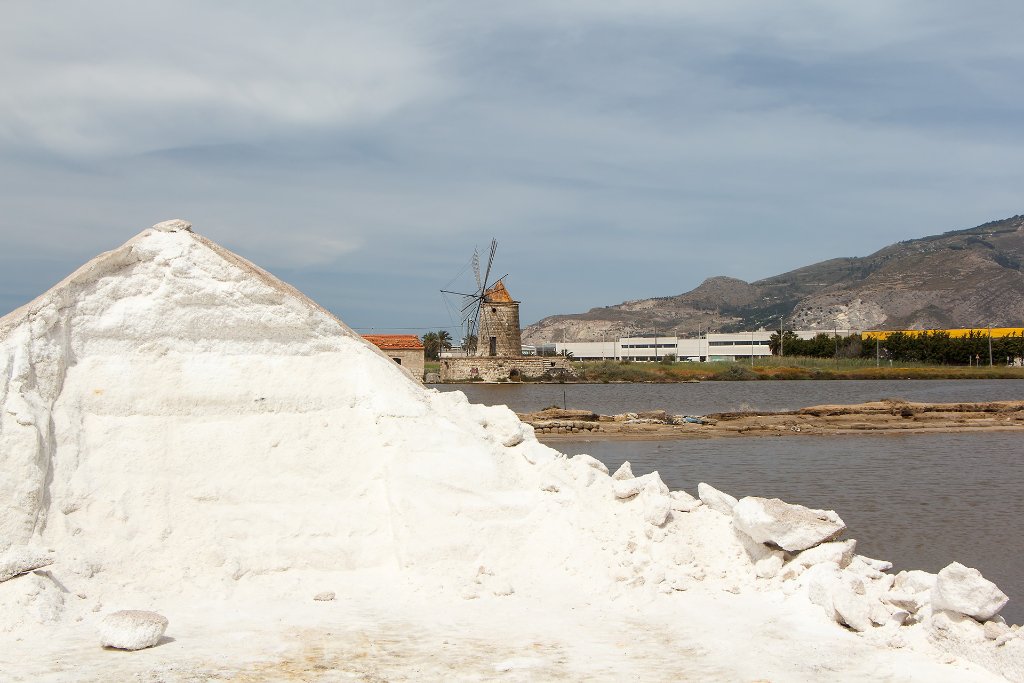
(171, 405)
(181, 428)
(132, 629)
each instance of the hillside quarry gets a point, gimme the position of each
(189, 444)
(963, 278)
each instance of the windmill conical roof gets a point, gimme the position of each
(497, 294)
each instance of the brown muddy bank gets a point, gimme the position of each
(887, 416)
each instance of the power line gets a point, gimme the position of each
(388, 327)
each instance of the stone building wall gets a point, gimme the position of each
(501, 321)
(410, 359)
(504, 369)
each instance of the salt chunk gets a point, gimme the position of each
(174, 225)
(852, 606)
(964, 590)
(790, 527)
(715, 499)
(627, 488)
(132, 629)
(624, 472)
(22, 559)
(915, 581)
(994, 629)
(591, 462)
(657, 504)
(684, 502)
(840, 552)
(768, 566)
(324, 596)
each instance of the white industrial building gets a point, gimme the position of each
(723, 346)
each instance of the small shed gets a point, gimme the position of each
(404, 349)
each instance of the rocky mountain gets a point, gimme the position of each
(962, 278)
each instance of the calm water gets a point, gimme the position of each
(919, 501)
(716, 397)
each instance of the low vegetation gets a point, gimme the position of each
(794, 368)
(930, 346)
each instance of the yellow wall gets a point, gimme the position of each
(959, 332)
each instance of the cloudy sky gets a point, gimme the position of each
(616, 150)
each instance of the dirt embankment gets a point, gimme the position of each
(888, 416)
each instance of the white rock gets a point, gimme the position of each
(853, 607)
(767, 567)
(684, 502)
(964, 590)
(132, 629)
(625, 471)
(877, 565)
(914, 581)
(840, 552)
(627, 488)
(21, 559)
(822, 581)
(909, 602)
(173, 225)
(590, 461)
(994, 629)
(880, 616)
(859, 566)
(715, 499)
(324, 596)
(957, 626)
(1005, 638)
(790, 527)
(657, 503)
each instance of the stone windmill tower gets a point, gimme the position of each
(499, 334)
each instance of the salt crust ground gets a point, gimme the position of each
(193, 437)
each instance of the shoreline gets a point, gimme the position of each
(885, 417)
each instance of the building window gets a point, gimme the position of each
(493, 349)
(397, 360)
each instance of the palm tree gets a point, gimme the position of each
(444, 340)
(469, 343)
(431, 345)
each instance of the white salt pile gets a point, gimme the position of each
(181, 432)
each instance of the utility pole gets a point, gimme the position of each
(990, 346)
(878, 356)
(751, 348)
(782, 334)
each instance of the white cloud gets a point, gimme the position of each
(82, 84)
(384, 138)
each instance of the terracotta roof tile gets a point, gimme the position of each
(394, 341)
(498, 294)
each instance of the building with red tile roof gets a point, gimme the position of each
(404, 349)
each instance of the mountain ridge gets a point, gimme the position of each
(970, 277)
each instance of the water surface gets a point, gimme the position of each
(716, 397)
(919, 501)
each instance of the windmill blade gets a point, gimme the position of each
(490, 262)
(476, 268)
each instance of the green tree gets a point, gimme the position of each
(469, 343)
(788, 345)
(431, 345)
(444, 340)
